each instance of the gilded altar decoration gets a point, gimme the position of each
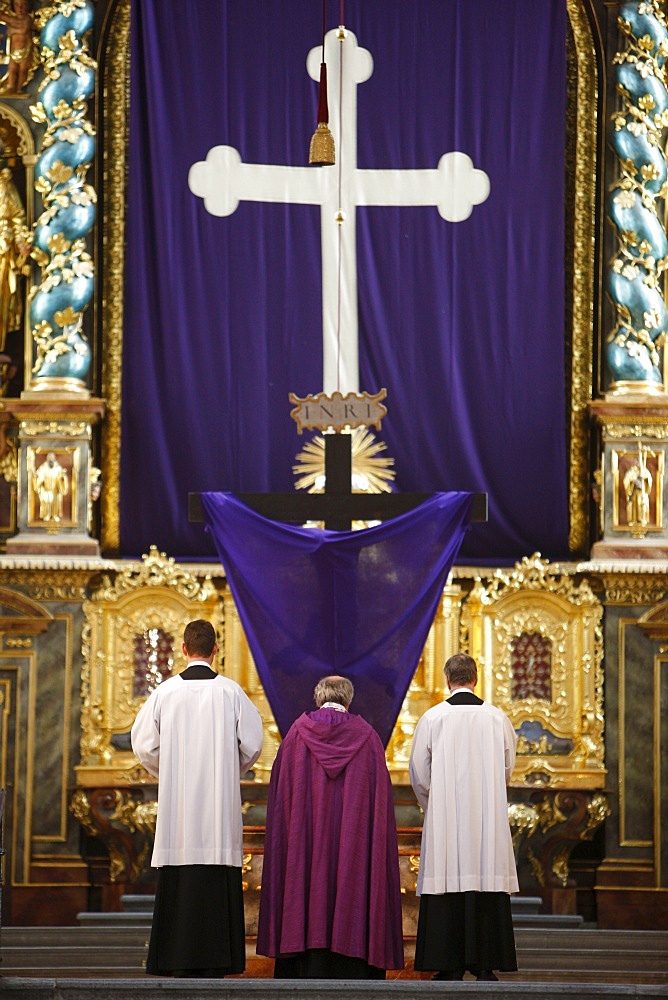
(372, 472)
(547, 825)
(131, 641)
(636, 203)
(15, 246)
(62, 357)
(124, 820)
(537, 638)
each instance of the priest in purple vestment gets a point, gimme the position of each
(330, 906)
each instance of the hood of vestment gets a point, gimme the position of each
(334, 738)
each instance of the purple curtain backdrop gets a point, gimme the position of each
(462, 323)
(359, 603)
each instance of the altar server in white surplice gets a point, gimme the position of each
(461, 762)
(198, 733)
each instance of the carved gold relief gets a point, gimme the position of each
(115, 95)
(523, 819)
(651, 427)
(560, 866)
(56, 428)
(634, 588)
(598, 810)
(581, 111)
(537, 638)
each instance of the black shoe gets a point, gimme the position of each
(451, 976)
(487, 976)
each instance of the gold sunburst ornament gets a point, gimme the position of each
(371, 471)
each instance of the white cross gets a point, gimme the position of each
(454, 187)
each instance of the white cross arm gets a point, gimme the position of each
(223, 180)
(454, 187)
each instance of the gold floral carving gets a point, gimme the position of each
(80, 809)
(523, 819)
(634, 589)
(652, 427)
(62, 586)
(137, 816)
(536, 867)
(47, 425)
(560, 865)
(116, 92)
(598, 810)
(9, 461)
(549, 813)
(582, 107)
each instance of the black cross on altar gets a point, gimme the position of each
(337, 507)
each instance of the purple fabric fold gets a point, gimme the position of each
(315, 602)
(463, 323)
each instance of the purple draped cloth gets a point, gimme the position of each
(330, 877)
(315, 602)
(463, 323)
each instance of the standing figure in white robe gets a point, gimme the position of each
(198, 733)
(461, 762)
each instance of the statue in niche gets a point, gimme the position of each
(51, 484)
(20, 46)
(15, 246)
(638, 490)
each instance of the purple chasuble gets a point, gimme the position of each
(331, 864)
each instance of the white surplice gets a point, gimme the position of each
(198, 737)
(462, 757)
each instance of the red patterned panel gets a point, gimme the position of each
(531, 667)
(153, 660)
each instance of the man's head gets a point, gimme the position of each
(199, 639)
(336, 689)
(461, 671)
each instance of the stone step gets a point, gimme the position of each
(248, 989)
(108, 932)
(555, 955)
(525, 911)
